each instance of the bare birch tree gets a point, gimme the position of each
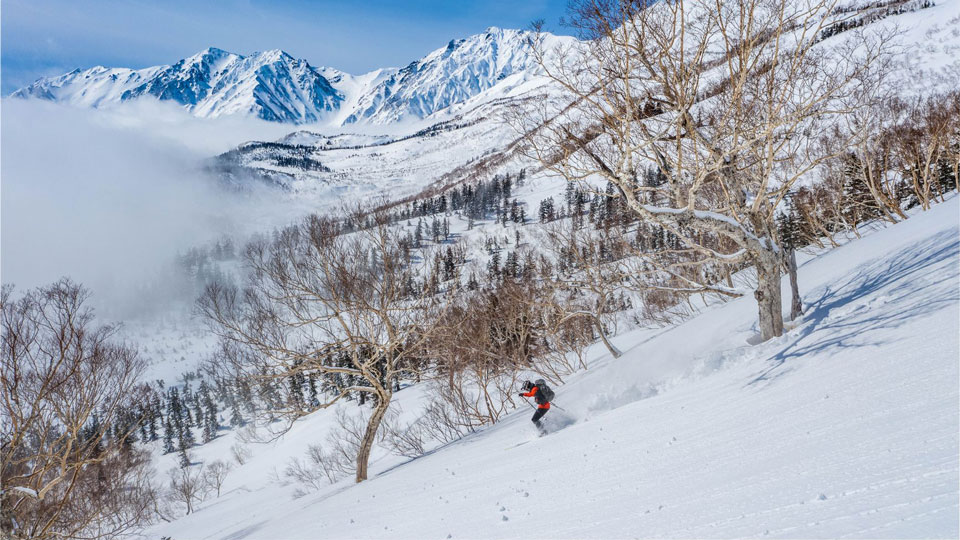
(926, 141)
(69, 468)
(215, 475)
(725, 99)
(595, 277)
(481, 344)
(338, 306)
(187, 486)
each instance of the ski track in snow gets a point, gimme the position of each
(845, 427)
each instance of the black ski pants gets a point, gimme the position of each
(538, 415)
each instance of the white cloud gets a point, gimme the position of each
(109, 197)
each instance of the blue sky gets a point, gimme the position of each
(50, 37)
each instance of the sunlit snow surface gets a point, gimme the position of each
(847, 426)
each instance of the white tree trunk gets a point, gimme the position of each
(796, 306)
(611, 348)
(768, 295)
(370, 435)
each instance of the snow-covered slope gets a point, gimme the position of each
(271, 85)
(844, 427)
(326, 168)
(354, 88)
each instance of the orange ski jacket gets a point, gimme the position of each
(532, 393)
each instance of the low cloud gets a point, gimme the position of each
(108, 198)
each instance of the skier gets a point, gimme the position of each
(542, 399)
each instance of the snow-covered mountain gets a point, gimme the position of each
(453, 74)
(274, 86)
(271, 85)
(327, 167)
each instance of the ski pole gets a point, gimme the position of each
(527, 401)
(554, 404)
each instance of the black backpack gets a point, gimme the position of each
(544, 391)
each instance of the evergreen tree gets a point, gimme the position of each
(186, 436)
(236, 419)
(789, 227)
(312, 386)
(155, 416)
(511, 266)
(246, 396)
(94, 432)
(493, 267)
(184, 459)
(144, 430)
(515, 212)
(197, 411)
(168, 436)
(449, 266)
(946, 171)
(436, 229)
(152, 426)
(546, 212)
(295, 383)
(211, 423)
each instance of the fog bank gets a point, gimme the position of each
(109, 197)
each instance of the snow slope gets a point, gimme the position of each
(359, 167)
(847, 426)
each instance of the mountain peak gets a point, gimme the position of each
(214, 51)
(209, 54)
(273, 55)
(447, 76)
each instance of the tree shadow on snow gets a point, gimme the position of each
(850, 308)
(468, 438)
(246, 531)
